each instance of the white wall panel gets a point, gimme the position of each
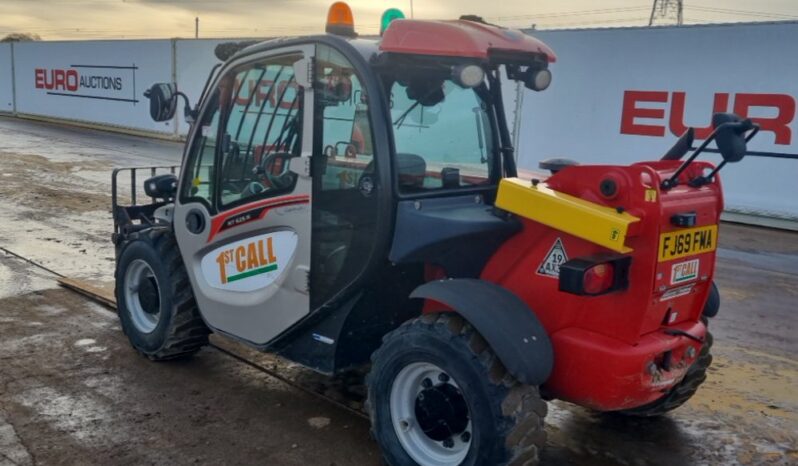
(580, 116)
(94, 81)
(194, 60)
(679, 75)
(6, 87)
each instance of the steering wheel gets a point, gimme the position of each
(274, 170)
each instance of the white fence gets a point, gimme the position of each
(94, 81)
(623, 95)
(618, 95)
(6, 80)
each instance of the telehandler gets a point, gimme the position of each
(354, 203)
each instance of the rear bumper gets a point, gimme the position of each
(602, 373)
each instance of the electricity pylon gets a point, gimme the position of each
(666, 12)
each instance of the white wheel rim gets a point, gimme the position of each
(424, 450)
(137, 271)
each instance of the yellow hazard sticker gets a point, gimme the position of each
(651, 195)
(615, 234)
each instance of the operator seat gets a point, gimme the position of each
(411, 170)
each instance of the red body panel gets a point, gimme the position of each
(458, 39)
(604, 345)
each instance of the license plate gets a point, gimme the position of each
(687, 242)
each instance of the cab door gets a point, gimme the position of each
(243, 217)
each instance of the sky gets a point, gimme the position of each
(128, 19)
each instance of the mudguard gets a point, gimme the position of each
(503, 319)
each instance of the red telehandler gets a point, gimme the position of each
(353, 203)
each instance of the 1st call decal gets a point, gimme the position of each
(249, 264)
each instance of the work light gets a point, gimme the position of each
(340, 20)
(468, 76)
(538, 80)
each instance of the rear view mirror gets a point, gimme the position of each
(163, 100)
(335, 88)
(730, 136)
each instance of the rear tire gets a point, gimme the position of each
(681, 392)
(479, 413)
(155, 302)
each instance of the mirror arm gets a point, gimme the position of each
(188, 113)
(702, 180)
(674, 179)
(752, 133)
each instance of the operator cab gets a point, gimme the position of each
(367, 157)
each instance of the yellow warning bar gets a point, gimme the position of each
(591, 222)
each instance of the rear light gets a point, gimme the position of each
(594, 276)
(598, 278)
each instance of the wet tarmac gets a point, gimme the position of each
(72, 391)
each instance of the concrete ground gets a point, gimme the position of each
(72, 391)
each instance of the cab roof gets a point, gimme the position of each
(460, 38)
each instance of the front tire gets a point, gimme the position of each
(439, 396)
(155, 303)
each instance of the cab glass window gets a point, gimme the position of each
(262, 132)
(345, 130)
(442, 135)
(345, 188)
(198, 181)
(259, 106)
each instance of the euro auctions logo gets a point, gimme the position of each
(103, 82)
(657, 113)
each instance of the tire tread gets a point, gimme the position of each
(187, 333)
(521, 408)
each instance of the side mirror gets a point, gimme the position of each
(161, 186)
(163, 100)
(730, 137)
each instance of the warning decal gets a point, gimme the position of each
(550, 266)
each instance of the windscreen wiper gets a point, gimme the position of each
(401, 119)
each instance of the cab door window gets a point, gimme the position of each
(199, 177)
(262, 132)
(249, 157)
(344, 184)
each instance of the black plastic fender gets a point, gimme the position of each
(508, 325)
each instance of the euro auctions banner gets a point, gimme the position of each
(624, 95)
(97, 82)
(6, 83)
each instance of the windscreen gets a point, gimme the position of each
(443, 136)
